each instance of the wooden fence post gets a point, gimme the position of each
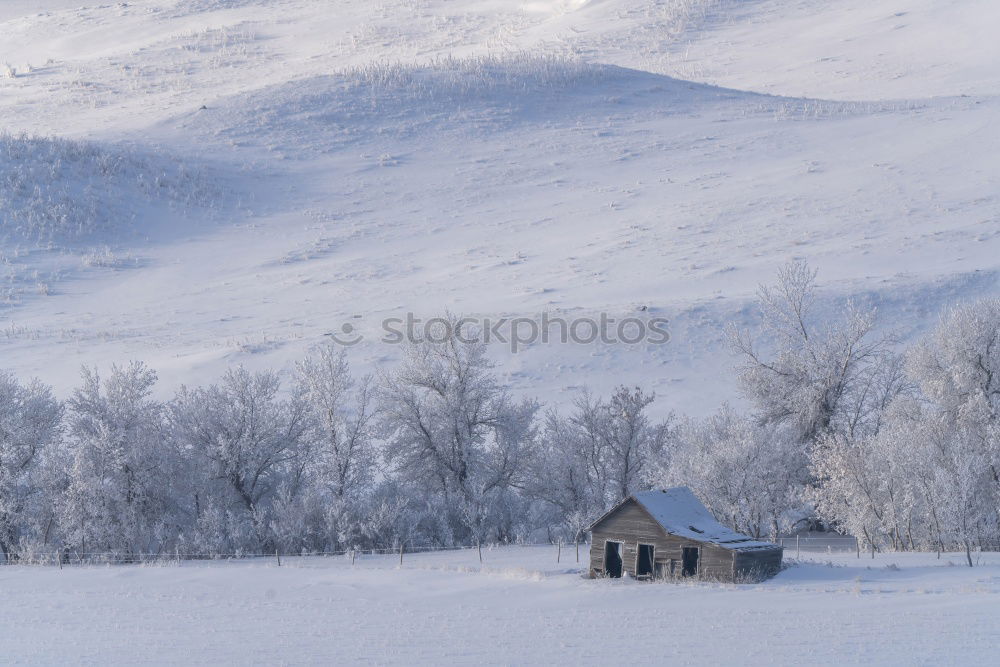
(401, 554)
(278, 556)
(559, 551)
(480, 545)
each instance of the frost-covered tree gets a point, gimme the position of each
(29, 425)
(398, 517)
(339, 415)
(619, 431)
(957, 368)
(962, 480)
(927, 476)
(865, 485)
(601, 452)
(454, 432)
(508, 458)
(564, 476)
(337, 457)
(119, 495)
(810, 373)
(248, 443)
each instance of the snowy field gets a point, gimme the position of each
(519, 607)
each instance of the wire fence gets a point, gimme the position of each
(849, 544)
(792, 545)
(73, 557)
(831, 544)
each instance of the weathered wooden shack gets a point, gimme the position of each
(668, 533)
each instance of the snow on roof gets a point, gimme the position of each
(682, 514)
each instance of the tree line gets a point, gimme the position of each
(900, 448)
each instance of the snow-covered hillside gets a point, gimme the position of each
(281, 167)
(519, 607)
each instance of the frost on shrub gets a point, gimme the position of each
(486, 93)
(186, 7)
(106, 258)
(60, 192)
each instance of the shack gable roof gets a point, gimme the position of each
(680, 513)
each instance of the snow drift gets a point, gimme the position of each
(477, 97)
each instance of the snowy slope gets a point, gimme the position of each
(851, 49)
(519, 607)
(364, 160)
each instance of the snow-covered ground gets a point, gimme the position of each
(332, 162)
(519, 607)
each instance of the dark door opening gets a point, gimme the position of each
(644, 562)
(689, 557)
(613, 559)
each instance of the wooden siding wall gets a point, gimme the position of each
(758, 565)
(633, 526)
